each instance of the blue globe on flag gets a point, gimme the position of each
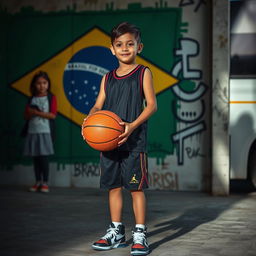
(83, 74)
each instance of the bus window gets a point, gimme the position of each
(243, 38)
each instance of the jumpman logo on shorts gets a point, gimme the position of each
(134, 180)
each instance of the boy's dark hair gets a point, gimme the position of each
(124, 28)
(35, 78)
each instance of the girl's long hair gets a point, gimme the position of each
(34, 80)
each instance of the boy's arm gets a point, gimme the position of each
(151, 107)
(100, 99)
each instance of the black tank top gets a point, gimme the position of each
(124, 96)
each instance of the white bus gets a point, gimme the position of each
(242, 123)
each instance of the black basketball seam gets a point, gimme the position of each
(101, 142)
(106, 115)
(102, 127)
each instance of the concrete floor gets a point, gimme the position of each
(66, 221)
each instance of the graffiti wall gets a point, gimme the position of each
(70, 41)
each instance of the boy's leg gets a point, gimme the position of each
(139, 206)
(111, 179)
(135, 179)
(140, 244)
(115, 236)
(115, 204)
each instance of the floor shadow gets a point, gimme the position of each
(185, 223)
(189, 220)
(194, 217)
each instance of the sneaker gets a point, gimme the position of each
(44, 188)
(35, 187)
(140, 244)
(114, 238)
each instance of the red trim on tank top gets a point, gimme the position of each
(141, 80)
(129, 74)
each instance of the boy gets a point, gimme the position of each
(123, 92)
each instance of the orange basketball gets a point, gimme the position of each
(102, 129)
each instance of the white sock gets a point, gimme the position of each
(140, 226)
(116, 223)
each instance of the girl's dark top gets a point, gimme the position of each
(125, 97)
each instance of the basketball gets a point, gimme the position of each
(102, 129)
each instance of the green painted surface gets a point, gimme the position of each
(30, 38)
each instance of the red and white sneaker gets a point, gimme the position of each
(114, 238)
(140, 244)
(35, 188)
(44, 188)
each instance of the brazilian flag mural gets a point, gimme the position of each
(73, 48)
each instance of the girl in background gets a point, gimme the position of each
(40, 113)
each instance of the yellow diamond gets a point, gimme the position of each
(56, 65)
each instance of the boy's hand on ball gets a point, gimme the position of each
(128, 129)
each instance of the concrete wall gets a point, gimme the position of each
(47, 35)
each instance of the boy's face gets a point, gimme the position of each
(125, 48)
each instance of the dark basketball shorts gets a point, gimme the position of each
(123, 169)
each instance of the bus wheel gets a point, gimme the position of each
(252, 167)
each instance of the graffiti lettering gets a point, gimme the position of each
(166, 180)
(190, 107)
(188, 48)
(185, 2)
(191, 152)
(191, 2)
(190, 112)
(86, 169)
(190, 96)
(198, 5)
(183, 134)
